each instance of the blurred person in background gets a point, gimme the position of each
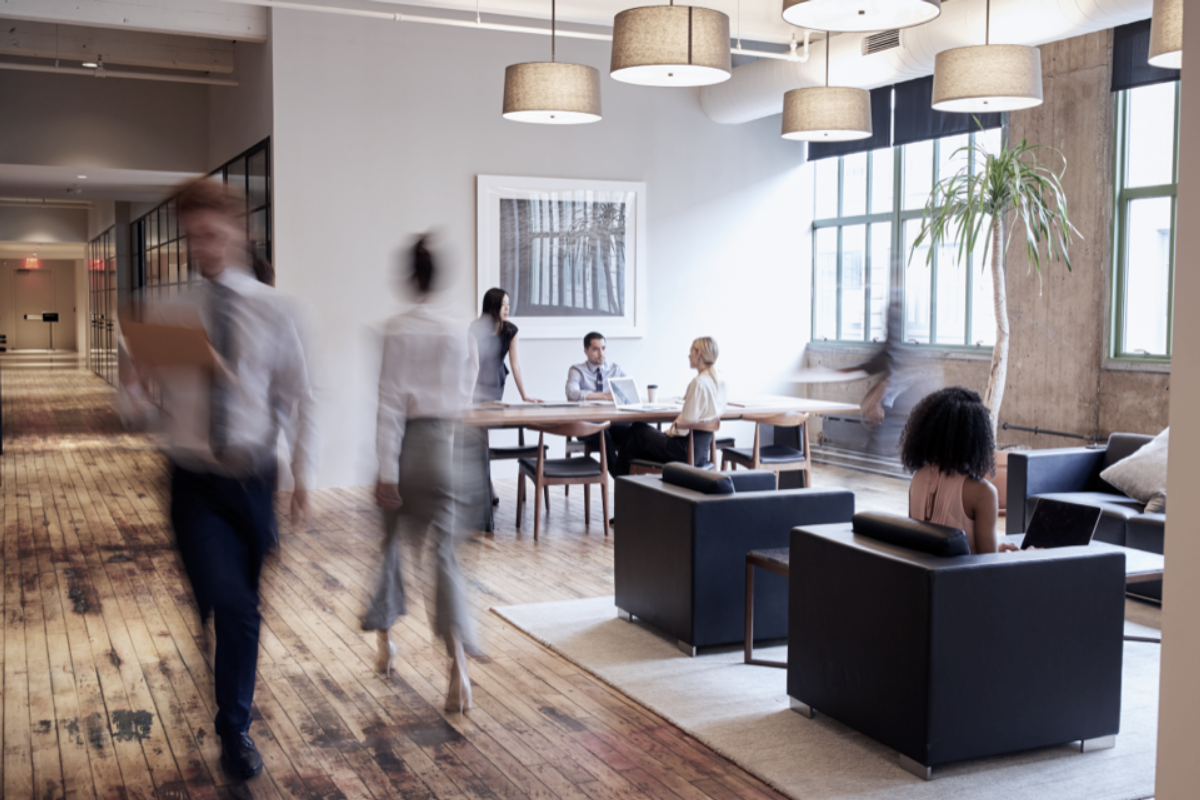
(220, 427)
(425, 384)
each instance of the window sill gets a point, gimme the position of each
(1131, 365)
(920, 351)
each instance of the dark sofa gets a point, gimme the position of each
(681, 544)
(946, 659)
(1073, 474)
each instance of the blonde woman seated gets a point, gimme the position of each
(948, 446)
(705, 400)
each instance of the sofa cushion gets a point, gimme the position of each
(1117, 509)
(1143, 473)
(753, 480)
(924, 537)
(1157, 504)
(697, 479)
(1146, 532)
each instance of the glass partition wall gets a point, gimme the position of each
(102, 306)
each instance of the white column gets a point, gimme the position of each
(1179, 700)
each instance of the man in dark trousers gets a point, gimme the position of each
(221, 427)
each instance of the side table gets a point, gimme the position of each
(773, 560)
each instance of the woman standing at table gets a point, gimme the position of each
(704, 401)
(495, 338)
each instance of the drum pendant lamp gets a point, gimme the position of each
(853, 16)
(1166, 34)
(827, 113)
(551, 93)
(987, 78)
(671, 46)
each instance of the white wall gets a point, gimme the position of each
(241, 116)
(380, 130)
(39, 224)
(130, 124)
(1178, 772)
(65, 300)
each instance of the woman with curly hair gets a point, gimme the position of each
(948, 446)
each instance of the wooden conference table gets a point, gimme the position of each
(515, 416)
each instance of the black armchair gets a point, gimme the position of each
(946, 659)
(1073, 474)
(680, 558)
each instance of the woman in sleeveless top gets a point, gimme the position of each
(948, 446)
(496, 338)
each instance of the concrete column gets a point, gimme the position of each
(1179, 699)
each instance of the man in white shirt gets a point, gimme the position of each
(592, 380)
(221, 429)
(426, 382)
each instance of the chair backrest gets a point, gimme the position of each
(577, 429)
(788, 419)
(925, 537)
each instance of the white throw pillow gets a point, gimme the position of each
(1143, 474)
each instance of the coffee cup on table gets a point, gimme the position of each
(652, 393)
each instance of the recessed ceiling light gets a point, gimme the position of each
(82, 177)
(91, 65)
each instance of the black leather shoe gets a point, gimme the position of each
(240, 757)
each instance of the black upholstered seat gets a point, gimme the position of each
(586, 467)
(771, 454)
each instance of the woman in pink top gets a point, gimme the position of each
(948, 446)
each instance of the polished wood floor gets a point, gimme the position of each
(107, 693)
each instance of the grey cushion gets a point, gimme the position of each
(697, 479)
(1157, 504)
(925, 537)
(1143, 473)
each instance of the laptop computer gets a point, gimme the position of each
(1056, 523)
(627, 398)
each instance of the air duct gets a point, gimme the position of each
(756, 90)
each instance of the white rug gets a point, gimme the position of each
(742, 712)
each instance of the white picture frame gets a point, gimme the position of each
(571, 254)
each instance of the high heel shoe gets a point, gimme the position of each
(458, 696)
(385, 658)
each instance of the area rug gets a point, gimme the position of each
(742, 712)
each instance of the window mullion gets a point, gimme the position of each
(837, 295)
(970, 255)
(1171, 278)
(933, 265)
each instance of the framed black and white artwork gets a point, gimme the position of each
(569, 253)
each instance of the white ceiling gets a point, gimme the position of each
(46, 252)
(60, 183)
(761, 20)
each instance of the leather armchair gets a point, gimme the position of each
(952, 658)
(680, 559)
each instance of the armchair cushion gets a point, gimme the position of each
(924, 537)
(697, 479)
(753, 480)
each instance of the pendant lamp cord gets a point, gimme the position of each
(826, 59)
(987, 24)
(478, 21)
(739, 24)
(553, 27)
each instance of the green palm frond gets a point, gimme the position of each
(1008, 183)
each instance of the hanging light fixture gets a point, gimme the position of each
(988, 77)
(859, 15)
(1166, 34)
(549, 92)
(671, 46)
(827, 113)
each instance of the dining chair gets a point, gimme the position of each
(547, 472)
(775, 457)
(642, 466)
(510, 453)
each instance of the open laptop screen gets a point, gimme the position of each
(1056, 523)
(625, 392)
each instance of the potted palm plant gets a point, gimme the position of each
(1007, 190)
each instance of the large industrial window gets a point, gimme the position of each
(102, 305)
(1147, 138)
(868, 209)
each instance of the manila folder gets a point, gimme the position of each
(168, 345)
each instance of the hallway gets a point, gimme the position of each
(107, 693)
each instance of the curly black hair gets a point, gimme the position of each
(952, 430)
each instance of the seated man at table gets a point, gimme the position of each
(592, 380)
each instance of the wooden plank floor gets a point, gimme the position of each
(107, 694)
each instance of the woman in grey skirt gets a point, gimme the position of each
(424, 385)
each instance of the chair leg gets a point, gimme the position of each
(546, 492)
(537, 511)
(587, 505)
(604, 503)
(566, 490)
(520, 497)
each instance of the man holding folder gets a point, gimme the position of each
(222, 416)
